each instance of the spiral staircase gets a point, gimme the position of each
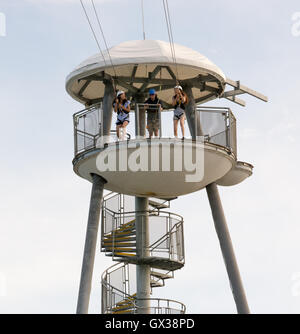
(118, 241)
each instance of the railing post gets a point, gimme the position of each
(84, 140)
(227, 129)
(182, 241)
(75, 136)
(113, 236)
(137, 120)
(160, 122)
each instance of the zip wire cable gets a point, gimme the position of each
(143, 19)
(103, 36)
(92, 29)
(168, 29)
(170, 33)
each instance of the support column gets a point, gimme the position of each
(107, 104)
(142, 229)
(227, 249)
(142, 244)
(90, 245)
(190, 110)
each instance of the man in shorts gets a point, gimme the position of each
(153, 106)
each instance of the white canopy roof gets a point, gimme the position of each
(134, 62)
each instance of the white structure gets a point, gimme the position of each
(154, 171)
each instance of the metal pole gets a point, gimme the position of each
(160, 123)
(142, 244)
(193, 118)
(107, 106)
(227, 249)
(140, 115)
(90, 245)
(142, 228)
(137, 120)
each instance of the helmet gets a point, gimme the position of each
(178, 87)
(120, 92)
(152, 91)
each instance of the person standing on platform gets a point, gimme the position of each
(122, 108)
(153, 107)
(179, 101)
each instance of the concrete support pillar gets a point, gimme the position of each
(90, 245)
(108, 99)
(142, 227)
(227, 249)
(191, 116)
(142, 244)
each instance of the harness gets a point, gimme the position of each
(122, 114)
(179, 104)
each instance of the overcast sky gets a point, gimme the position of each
(44, 205)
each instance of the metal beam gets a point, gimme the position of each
(90, 245)
(193, 81)
(237, 85)
(151, 76)
(236, 100)
(163, 87)
(192, 115)
(84, 87)
(227, 249)
(206, 98)
(126, 85)
(170, 72)
(108, 99)
(233, 93)
(133, 73)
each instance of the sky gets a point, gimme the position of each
(44, 204)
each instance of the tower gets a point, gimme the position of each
(146, 175)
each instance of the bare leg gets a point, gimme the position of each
(150, 130)
(124, 130)
(182, 119)
(176, 128)
(118, 131)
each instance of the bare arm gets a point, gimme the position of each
(126, 109)
(174, 101)
(116, 107)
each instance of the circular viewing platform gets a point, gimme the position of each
(161, 166)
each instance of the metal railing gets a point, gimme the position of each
(120, 205)
(216, 125)
(88, 129)
(153, 119)
(115, 287)
(171, 245)
(165, 232)
(162, 306)
(166, 242)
